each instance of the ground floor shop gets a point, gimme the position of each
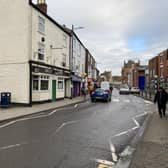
(49, 83)
(76, 85)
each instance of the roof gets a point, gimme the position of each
(47, 16)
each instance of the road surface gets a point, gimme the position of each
(73, 137)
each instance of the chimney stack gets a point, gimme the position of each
(41, 4)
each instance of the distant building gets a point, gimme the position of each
(129, 72)
(153, 72)
(117, 80)
(163, 69)
(91, 68)
(106, 76)
(158, 71)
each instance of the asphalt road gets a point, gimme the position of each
(72, 137)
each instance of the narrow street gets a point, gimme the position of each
(72, 137)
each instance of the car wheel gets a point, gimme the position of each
(93, 100)
(106, 100)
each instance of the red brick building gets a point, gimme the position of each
(130, 73)
(163, 68)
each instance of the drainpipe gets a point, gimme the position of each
(30, 84)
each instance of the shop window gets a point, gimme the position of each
(60, 85)
(35, 84)
(44, 84)
(40, 82)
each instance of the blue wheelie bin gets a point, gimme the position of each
(5, 99)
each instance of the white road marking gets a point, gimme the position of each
(52, 112)
(71, 122)
(59, 128)
(28, 118)
(108, 163)
(140, 115)
(12, 146)
(136, 122)
(127, 152)
(76, 105)
(7, 124)
(66, 123)
(132, 129)
(112, 147)
(148, 102)
(127, 101)
(113, 152)
(114, 156)
(121, 133)
(115, 100)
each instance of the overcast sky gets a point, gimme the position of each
(116, 30)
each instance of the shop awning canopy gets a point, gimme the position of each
(76, 78)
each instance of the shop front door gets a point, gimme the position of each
(54, 90)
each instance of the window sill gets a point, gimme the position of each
(41, 33)
(40, 91)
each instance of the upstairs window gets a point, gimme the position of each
(64, 60)
(41, 24)
(41, 49)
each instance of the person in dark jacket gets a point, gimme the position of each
(161, 99)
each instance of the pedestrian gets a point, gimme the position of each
(161, 99)
(91, 88)
(83, 90)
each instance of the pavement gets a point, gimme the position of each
(152, 150)
(14, 112)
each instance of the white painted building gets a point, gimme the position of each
(34, 53)
(77, 64)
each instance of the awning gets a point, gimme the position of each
(76, 78)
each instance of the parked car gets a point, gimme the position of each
(101, 94)
(135, 90)
(124, 89)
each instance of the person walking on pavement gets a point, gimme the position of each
(161, 99)
(83, 90)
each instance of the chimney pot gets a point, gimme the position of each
(41, 4)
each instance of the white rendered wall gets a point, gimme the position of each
(14, 49)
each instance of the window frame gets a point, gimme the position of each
(41, 24)
(60, 79)
(44, 88)
(40, 78)
(41, 51)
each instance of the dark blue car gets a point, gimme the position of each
(101, 94)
